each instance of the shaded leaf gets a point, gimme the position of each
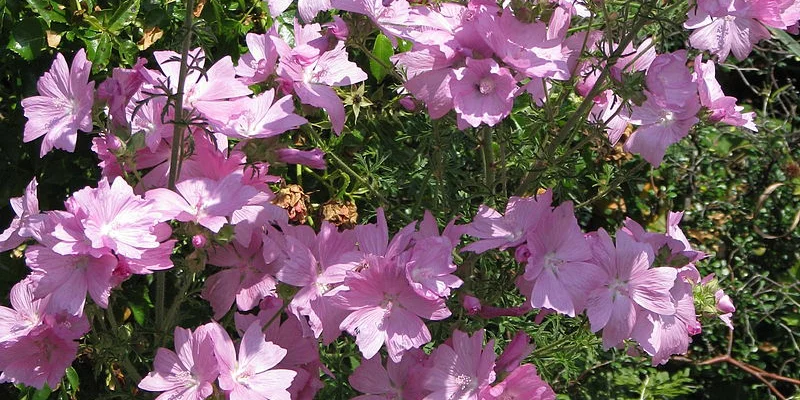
(27, 38)
(382, 50)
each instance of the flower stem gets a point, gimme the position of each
(179, 125)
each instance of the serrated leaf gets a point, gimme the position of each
(382, 50)
(27, 38)
(99, 51)
(48, 11)
(123, 16)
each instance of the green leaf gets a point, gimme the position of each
(27, 38)
(124, 15)
(72, 378)
(48, 11)
(791, 44)
(382, 50)
(42, 394)
(99, 51)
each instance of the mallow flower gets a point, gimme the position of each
(64, 104)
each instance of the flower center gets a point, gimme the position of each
(486, 85)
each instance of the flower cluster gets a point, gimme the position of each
(200, 172)
(639, 287)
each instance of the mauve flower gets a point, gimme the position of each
(483, 92)
(459, 371)
(251, 375)
(260, 61)
(26, 223)
(629, 282)
(386, 309)
(187, 375)
(64, 104)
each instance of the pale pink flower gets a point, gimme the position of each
(629, 283)
(36, 347)
(459, 371)
(27, 312)
(251, 375)
(483, 92)
(312, 73)
(516, 351)
(723, 108)
(64, 104)
(497, 231)
(725, 307)
(386, 309)
(27, 222)
(205, 201)
(318, 264)
(148, 117)
(217, 83)
(302, 352)
(311, 158)
(256, 117)
(560, 263)
(247, 277)
(731, 26)
(260, 61)
(36, 360)
(112, 217)
(662, 336)
(187, 375)
(521, 384)
(395, 381)
(67, 278)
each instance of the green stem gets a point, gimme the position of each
(318, 142)
(179, 125)
(579, 115)
(488, 159)
(169, 319)
(124, 360)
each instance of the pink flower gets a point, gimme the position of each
(318, 264)
(113, 218)
(187, 375)
(662, 336)
(629, 283)
(312, 73)
(395, 381)
(385, 309)
(260, 61)
(148, 117)
(461, 370)
(496, 231)
(67, 278)
(27, 222)
(516, 351)
(37, 359)
(483, 92)
(217, 83)
(256, 117)
(312, 158)
(670, 110)
(64, 104)
(725, 26)
(521, 384)
(204, 201)
(247, 278)
(36, 346)
(723, 108)
(560, 264)
(251, 375)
